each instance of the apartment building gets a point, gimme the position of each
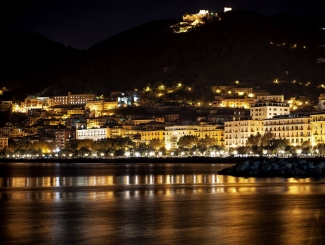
(63, 136)
(174, 133)
(265, 110)
(92, 133)
(237, 102)
(317, 122)
(270, 98)
(3, 142)
(237, 132)
(296, 129)
(148, 135)
(73, 99)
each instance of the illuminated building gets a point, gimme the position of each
(227, 9)
(190, 21)
(237, 102)
(92, 133)
(97, 122)
(6, 105)
(12, 131)
(51, 122)
(174, 133)
(266, 110)
(171, 117)
(148, 135)
(110, 105)
(237, 132)
(241, 91)
(270, 98)
(116, 132)
(63, 136)
(293, 128)
(76, 111)
(3, 142)
(140, 121)
(317, 122)
(73, 99)
(94, 105)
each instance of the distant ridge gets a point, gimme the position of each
(243, 46)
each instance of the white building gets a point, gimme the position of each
(226, 9)
(92, 133)
(260, 111)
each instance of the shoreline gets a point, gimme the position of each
(130, 160)
(281, 167)
(192, 159)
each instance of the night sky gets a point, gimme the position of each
(85, 22)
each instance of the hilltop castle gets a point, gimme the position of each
(190, 21)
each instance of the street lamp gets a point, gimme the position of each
(298, 151)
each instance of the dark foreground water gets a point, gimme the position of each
(155, 204)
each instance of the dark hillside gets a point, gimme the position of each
(242, 46)
(30, 61)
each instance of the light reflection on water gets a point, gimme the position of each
(138, 180)
(157, 205)
(216, 183)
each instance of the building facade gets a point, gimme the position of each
(260, 111)
(93, 133)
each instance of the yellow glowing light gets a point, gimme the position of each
(276, 81)
(237, 82)
(179, 85)
(229, 92)
(240, 93)
(161, 87)
(148, 89)
(189, 89)
(218, 91)
(168, 146)
(251, 95)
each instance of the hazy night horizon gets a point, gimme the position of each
(82, 24)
